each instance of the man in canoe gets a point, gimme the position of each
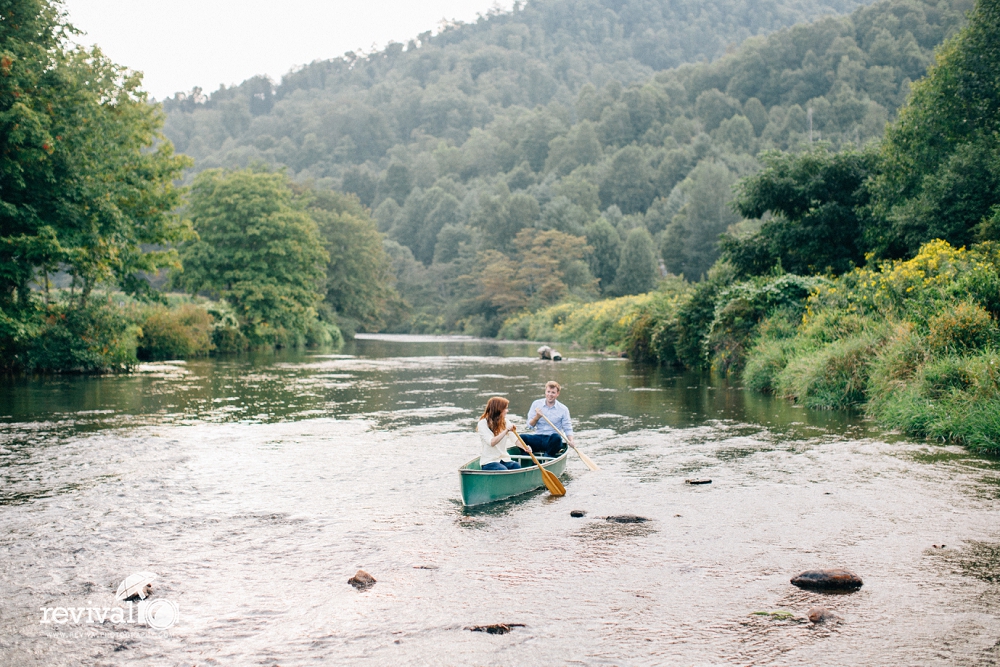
(546, 439)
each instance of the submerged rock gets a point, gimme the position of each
(777, 615)
(822, 615)
(626, 518)
(578, 513)
(496, 628)
(362, 580)
(836, 579)
(700, 480)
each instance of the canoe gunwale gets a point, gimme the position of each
(464, 470)
(480, 487)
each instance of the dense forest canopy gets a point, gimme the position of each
(442, 86)
(452, 148)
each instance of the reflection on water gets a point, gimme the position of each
(255, 487)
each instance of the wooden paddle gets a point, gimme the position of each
(583, 457)
(552, 482)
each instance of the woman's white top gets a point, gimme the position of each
(493, 454)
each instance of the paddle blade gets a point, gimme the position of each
(586, 460)
(552, 483)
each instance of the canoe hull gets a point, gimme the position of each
(485, 486)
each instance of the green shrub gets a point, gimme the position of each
(896, 363)
(765, 362)
(965, 327)
(741, 308)
(180, 333)
(324, 334)
(97, 338)
(229, 340)
(942, 377)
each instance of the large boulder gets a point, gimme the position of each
(836, 579)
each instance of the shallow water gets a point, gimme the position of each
(255, 488)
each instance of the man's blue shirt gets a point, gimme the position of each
(558, 414)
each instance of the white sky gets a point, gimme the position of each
(179, 44)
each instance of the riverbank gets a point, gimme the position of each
(112, 332)
(912, 343)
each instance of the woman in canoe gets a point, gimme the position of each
(495, 434)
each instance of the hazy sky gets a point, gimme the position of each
(185, 43)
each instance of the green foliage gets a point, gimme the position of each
(358, 274)
(815, 197)
(965, 327)
(180, 333)
(606, 242)
(603, 325)
(94, 338)
(256, 251)
(951, 399)
(690, 240)
(637, 269)
(694, 318)
(914, 342)
(87, 180)
(940, 162)
(741, 308)
(834, 375)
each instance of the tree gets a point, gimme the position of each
(939, 172)
(638, 272)
(358, 275)
(398, 182)
(548, 267)
(256, 250)
(815, 199)
(86, 180)
(629, 182)
(713, 107)
(690, 240)
(606, 242)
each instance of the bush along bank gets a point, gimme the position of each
(112, 333)
(913, 343)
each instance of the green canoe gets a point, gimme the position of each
(485, 486)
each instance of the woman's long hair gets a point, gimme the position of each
(494, 408)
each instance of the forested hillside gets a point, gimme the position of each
(442, 86)
(522, 121)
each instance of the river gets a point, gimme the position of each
(255, 487)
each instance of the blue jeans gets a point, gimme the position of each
(546, 445)
(502, 465)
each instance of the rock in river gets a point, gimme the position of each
(496, 628)
(819, 615)
(362, 580)
(578, 513)
(626, 518)
(828, 580)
